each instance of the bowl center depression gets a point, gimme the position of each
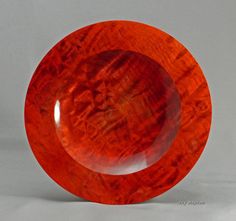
(118, 113)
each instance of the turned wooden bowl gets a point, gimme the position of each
(118, 112)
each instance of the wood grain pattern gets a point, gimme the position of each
(118, 112)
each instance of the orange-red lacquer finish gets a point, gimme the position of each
(118, 112)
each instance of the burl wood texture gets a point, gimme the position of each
(118, 112)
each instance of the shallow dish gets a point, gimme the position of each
(118, 112)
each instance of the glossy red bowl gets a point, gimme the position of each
(118, 112)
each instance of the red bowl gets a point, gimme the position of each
(118, 112)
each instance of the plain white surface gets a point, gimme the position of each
(29, 28)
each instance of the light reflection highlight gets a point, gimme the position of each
(57, 112)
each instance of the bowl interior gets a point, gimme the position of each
(116, 112)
